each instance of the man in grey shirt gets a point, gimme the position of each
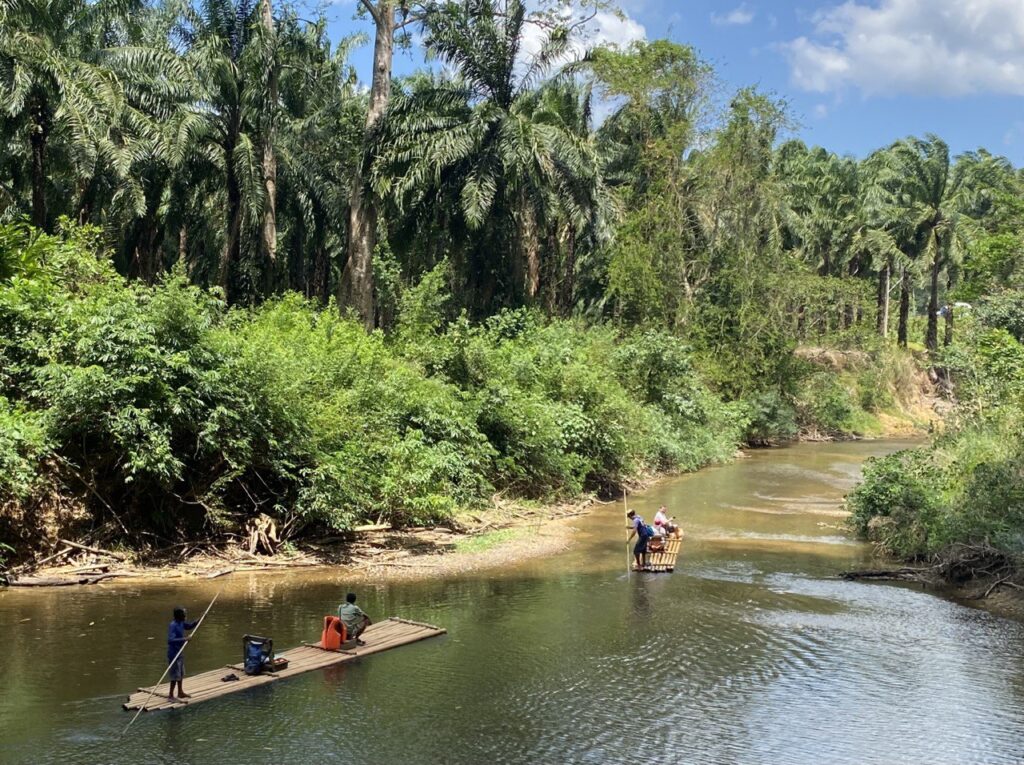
(353, 617)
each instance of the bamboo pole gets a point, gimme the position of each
(625, 507)
(199, 624)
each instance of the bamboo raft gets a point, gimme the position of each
(381, 636)
(663, 562)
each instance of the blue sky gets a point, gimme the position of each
(857, 74)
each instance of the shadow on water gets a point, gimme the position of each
(752, 652)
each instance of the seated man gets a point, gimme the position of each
(354, 618)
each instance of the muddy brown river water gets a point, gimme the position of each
(751, 652)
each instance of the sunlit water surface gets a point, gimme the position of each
(751, 652)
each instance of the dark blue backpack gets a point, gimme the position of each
(257, 655)
(644, 530)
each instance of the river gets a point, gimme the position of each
(751, 652)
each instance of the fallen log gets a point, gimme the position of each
(34, 564)
(96, 550)
(64, 581)
(894, 574)
(371, 527)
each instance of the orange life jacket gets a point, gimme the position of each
(334, 633)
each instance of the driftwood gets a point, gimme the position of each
(371, 527)
(34, 564)
(64, 581)
(893, 574)
(96, 550)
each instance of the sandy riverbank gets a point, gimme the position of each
(506, 534)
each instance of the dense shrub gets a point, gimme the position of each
(1003, 310)
(967, 488)
(162, 403)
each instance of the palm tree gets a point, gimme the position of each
(515, 149)
(219, 132)
(318, 148)
(935, 201)
(54, 87)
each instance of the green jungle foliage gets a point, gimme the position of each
(966, 488)
(161, 407)
(286, 292)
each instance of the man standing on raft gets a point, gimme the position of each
(641, 530)
(175, 642)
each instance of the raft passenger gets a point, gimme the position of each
(354, 618)
(663, 525)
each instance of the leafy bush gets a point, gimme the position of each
(1004, 310)
(772, 418)
(163, 406)
(824, 404)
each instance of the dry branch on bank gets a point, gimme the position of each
(977, 569)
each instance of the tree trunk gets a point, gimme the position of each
(901, 330)
(40, 132)
(931, 338)
(569, 282)
(356, 287)
(883, 298)
(268, 232)
(530, 245)
(182, 244)
(231, 254)
(947, 339)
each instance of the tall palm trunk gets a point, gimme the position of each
(883, 298)
(569, 279)
(40, 133)
(901, 330)
(232, 252)
(268, 231)
(931, 339)
(356, 287)
(530, 249)
(947, 339)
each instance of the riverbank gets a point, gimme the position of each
(509, 533)
(505, 534)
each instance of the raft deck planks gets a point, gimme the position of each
(378, 637)
(664, 561)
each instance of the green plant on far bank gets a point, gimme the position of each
(964, 491)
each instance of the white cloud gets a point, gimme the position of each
(611, 29)
(820, 111)
(606, 28)
(933, 47)
(738, 16)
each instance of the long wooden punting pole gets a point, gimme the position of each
(180, 650)
(629, 563)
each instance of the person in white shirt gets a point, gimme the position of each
(663, 525)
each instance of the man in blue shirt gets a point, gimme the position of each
(639, 528)
(176, 640)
